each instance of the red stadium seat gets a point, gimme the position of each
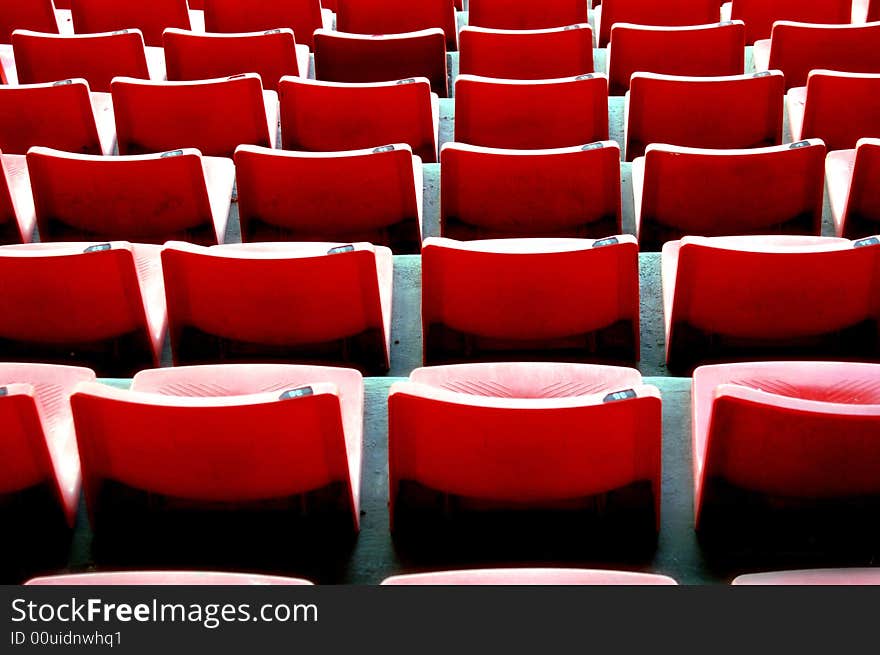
(651, 12)
(301, 16)
(17, 218)
(39, 445)
(498, 436)
(839, 108)
(738, 111)
(493, 193)
(582, 298)
(689, 191)
(524, 15)
(526, 54)
(213, 116)
(785, 431)
(531, 114)
(98, 304)
(520, 577)
(150, 578)
(37, 15)
(222, 434)
(291, 302)
(342, 57)
(327, 116)
(699, 50)
(151, 18)
(814, 577)
(357, 195)
(97, 58)
(397, 17)
(271, 55)
(61, 115)
(854, 189)
(143, 198)
(735, 298)
(759, 15)
(798, 48)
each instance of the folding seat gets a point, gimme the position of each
(40, 459)
(582, 298)
(214, 116)
(301, 16)
(736, 298)
(854, 189)
(813, 577)
(737, 111)
(526, 54)
(795, 434)
(759, 15)
(482, 437)
(524, 15)
(151, 18)
(341, 57)
(37, 15)
(531, 114)
(397, 17)
(272, 55)
(699, 50)
(328, 116)
(63, 115)
(290, 302)
(839, 108)
(798, 48)
(370, 195)
(495, 193)
(690, 191)
(150, 578)
(650, 12)
(261, 437)
(97, 58)
(96, 304)
(143, 198)
(519, 577)
(17, 218)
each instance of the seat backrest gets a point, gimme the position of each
(651, 12)
(37, 15)
(525, 15)
(301, 16)
(397, 17)
(151, 18)
(841, 108)
(864, 202)
(759, 15)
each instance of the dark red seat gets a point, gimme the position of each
(759, 15)
(301, 16)
(397, 17)
(651, 12)
(151, 18)
(526, 15)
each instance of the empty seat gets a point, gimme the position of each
(301, 16)
(143, 198)
(798, 48)
(651, 12)
(738, 111)
(526, 54)
(98, 304)
(854, 189)
(499, 436)
(358, 195)
(211, 436)
(736, 298)
(689, 191)
(17, 218)
(149, 578)
(759, 15)
(699, 50)
(63, 115)
(531, 114)
(341, 57)
(582, 298)
(839, 108)
(151, 18)
(832, 577)
(525, 15)
(39, 455)
(288, 302)
(271, 55)
(397, 17)
(788, 433)
(37, 15)
(327, 116)
(213, 116)
(495, 193)
(519, 577)
(97, 58)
